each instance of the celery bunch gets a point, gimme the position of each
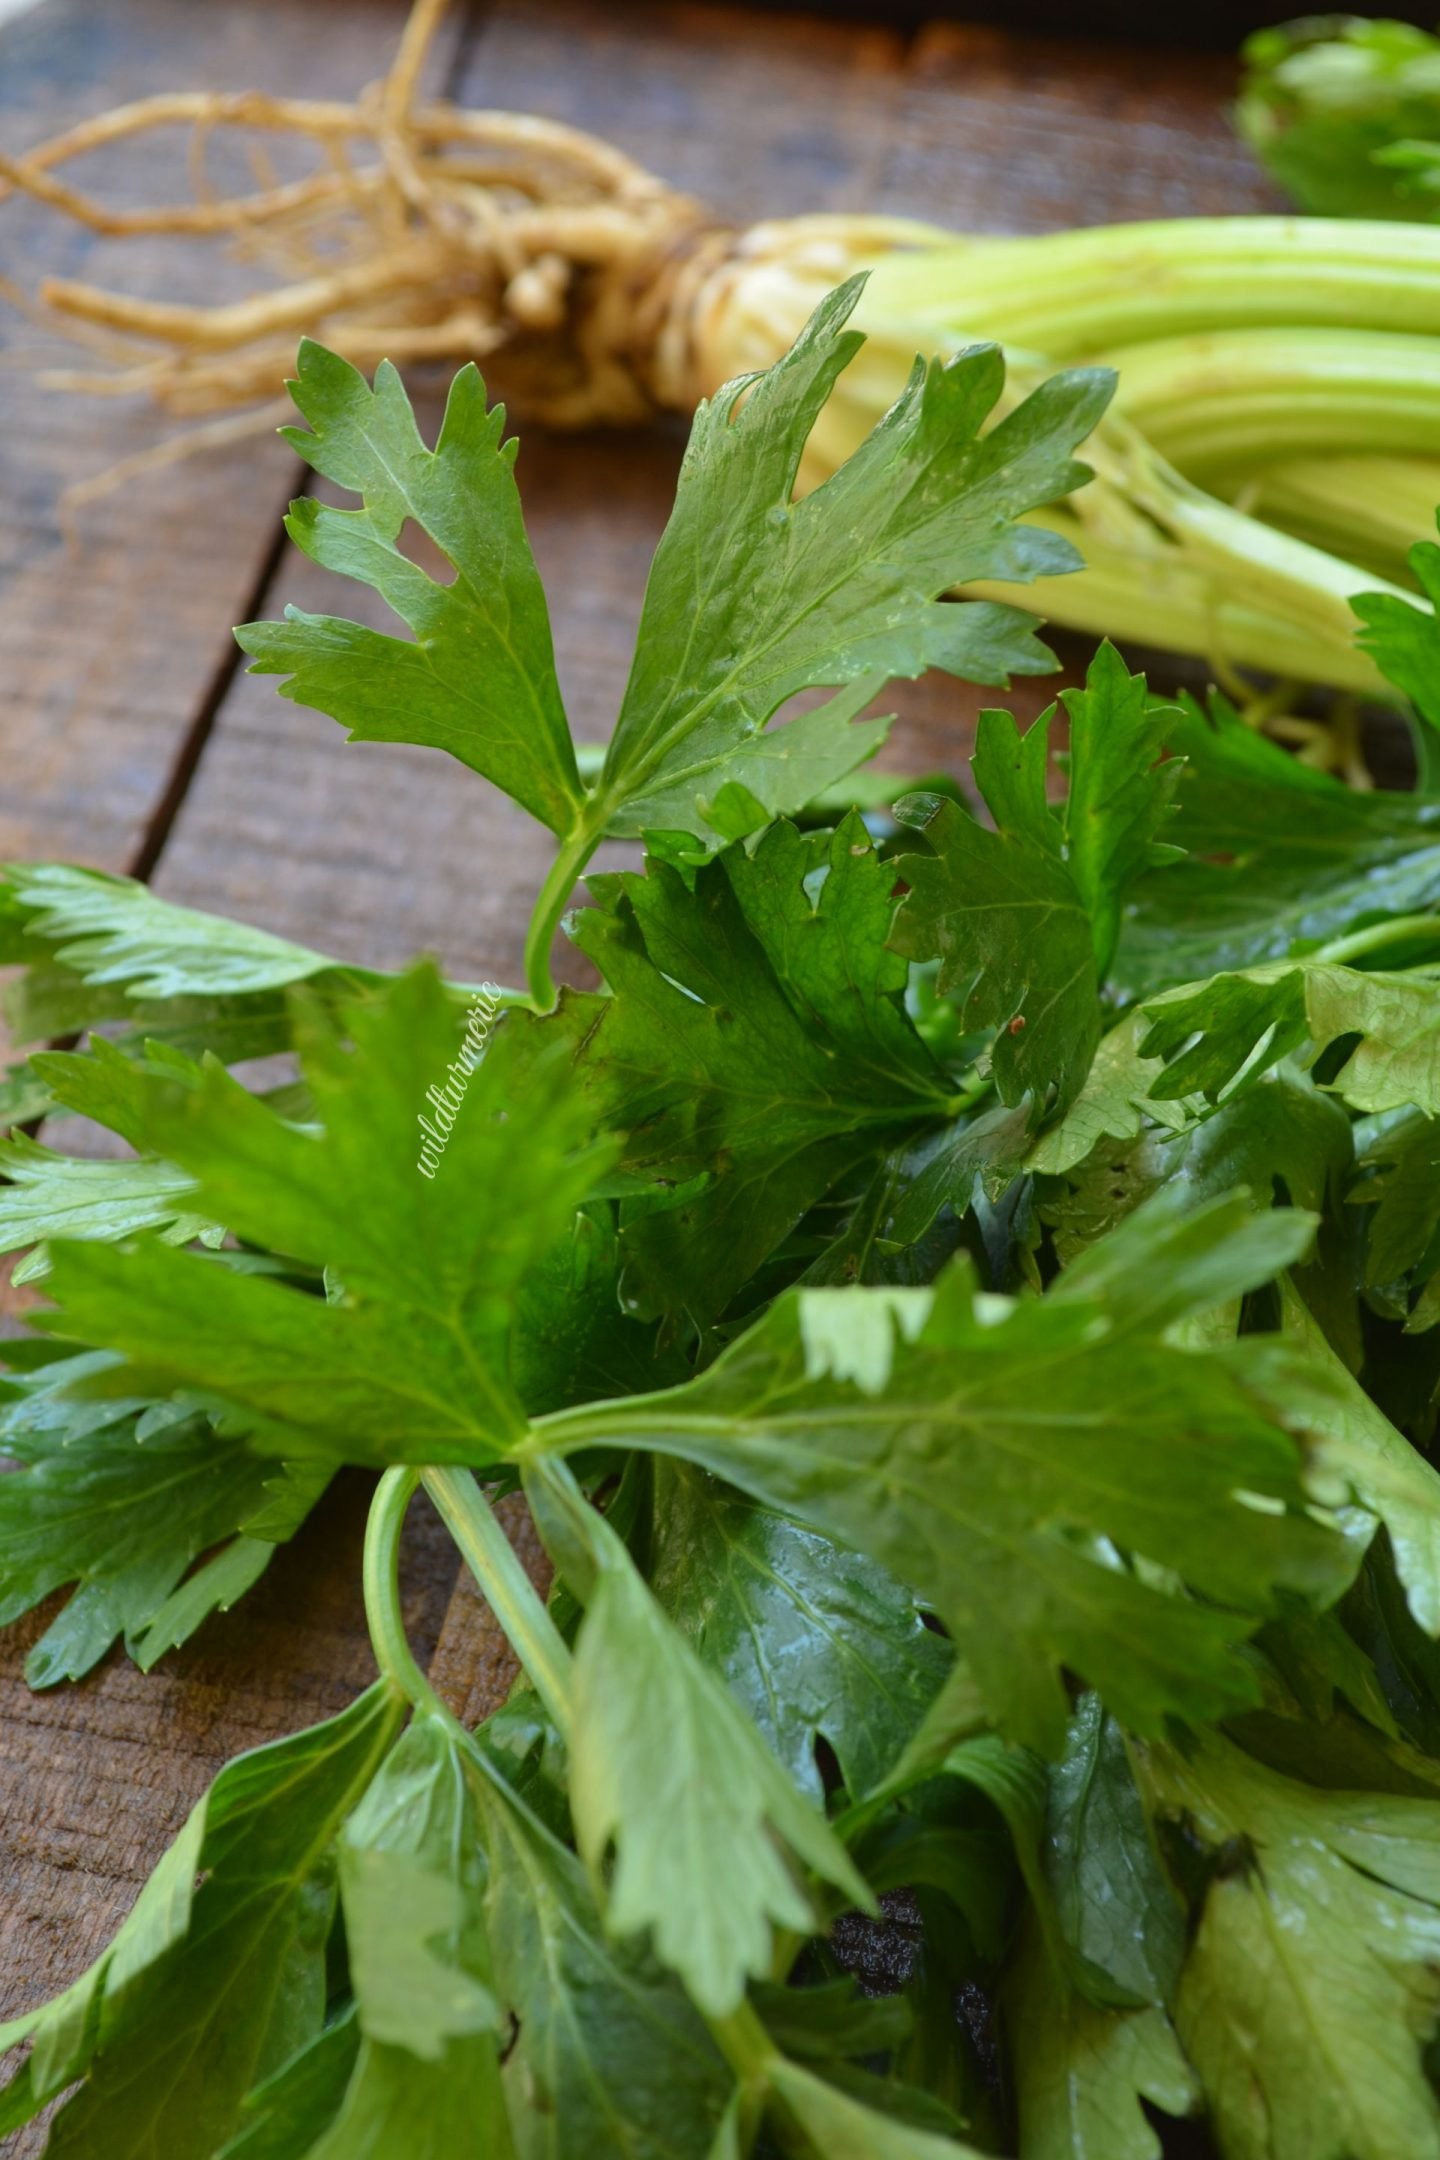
(1275, 440)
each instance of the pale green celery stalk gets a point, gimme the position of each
(1072, 294)
(1218, 401)
(1376, 508)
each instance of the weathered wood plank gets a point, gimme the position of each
(110, 643)
(109, 654)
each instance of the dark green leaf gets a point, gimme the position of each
(122, 1509)
(1116, 1912)
(814, 1641)
(1277, 854)
(1404, 638)
(753, 1048)
(1024, 918)
(609, 2056)
(283, 2118)
(218, 1976)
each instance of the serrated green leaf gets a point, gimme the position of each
(1024, 918)
(753, 596)
(1360, 1447)
(1278, 855)
(1399, 1161)
(1211, 1033)
(412, 1361)
(1120, 795)
(113, 931)
(478, 676)
(703, 1820)
(1002, 1453)
(60, 1196)
(1114, 1104)
(1281, 1138)
(754, 1039)
(1310, 1985)
(122, 1512)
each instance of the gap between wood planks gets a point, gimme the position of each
(145, 858)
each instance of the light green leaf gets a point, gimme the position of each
(478, 676)
(1404, 638)
(60, 1196)
(427, 2078)
(1114, 1103)
(665, 1766)
(1081, 2071)
(1247, 1021)
(411, 1880)
(1362, 1450)
(1310, 1986)
(1282, 1133)
(413, 1359)
(753, 596)
(113, 931)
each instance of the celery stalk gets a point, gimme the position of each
(1218, 401)
(1375, 507)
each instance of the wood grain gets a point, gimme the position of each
(112, 649)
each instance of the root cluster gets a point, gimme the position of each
(424, 233)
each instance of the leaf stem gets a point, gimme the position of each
(381, 1577)
(554, 897)
(749, 2050)
(507, 1589)
(1376, 935)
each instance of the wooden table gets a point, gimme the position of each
(132, 741)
